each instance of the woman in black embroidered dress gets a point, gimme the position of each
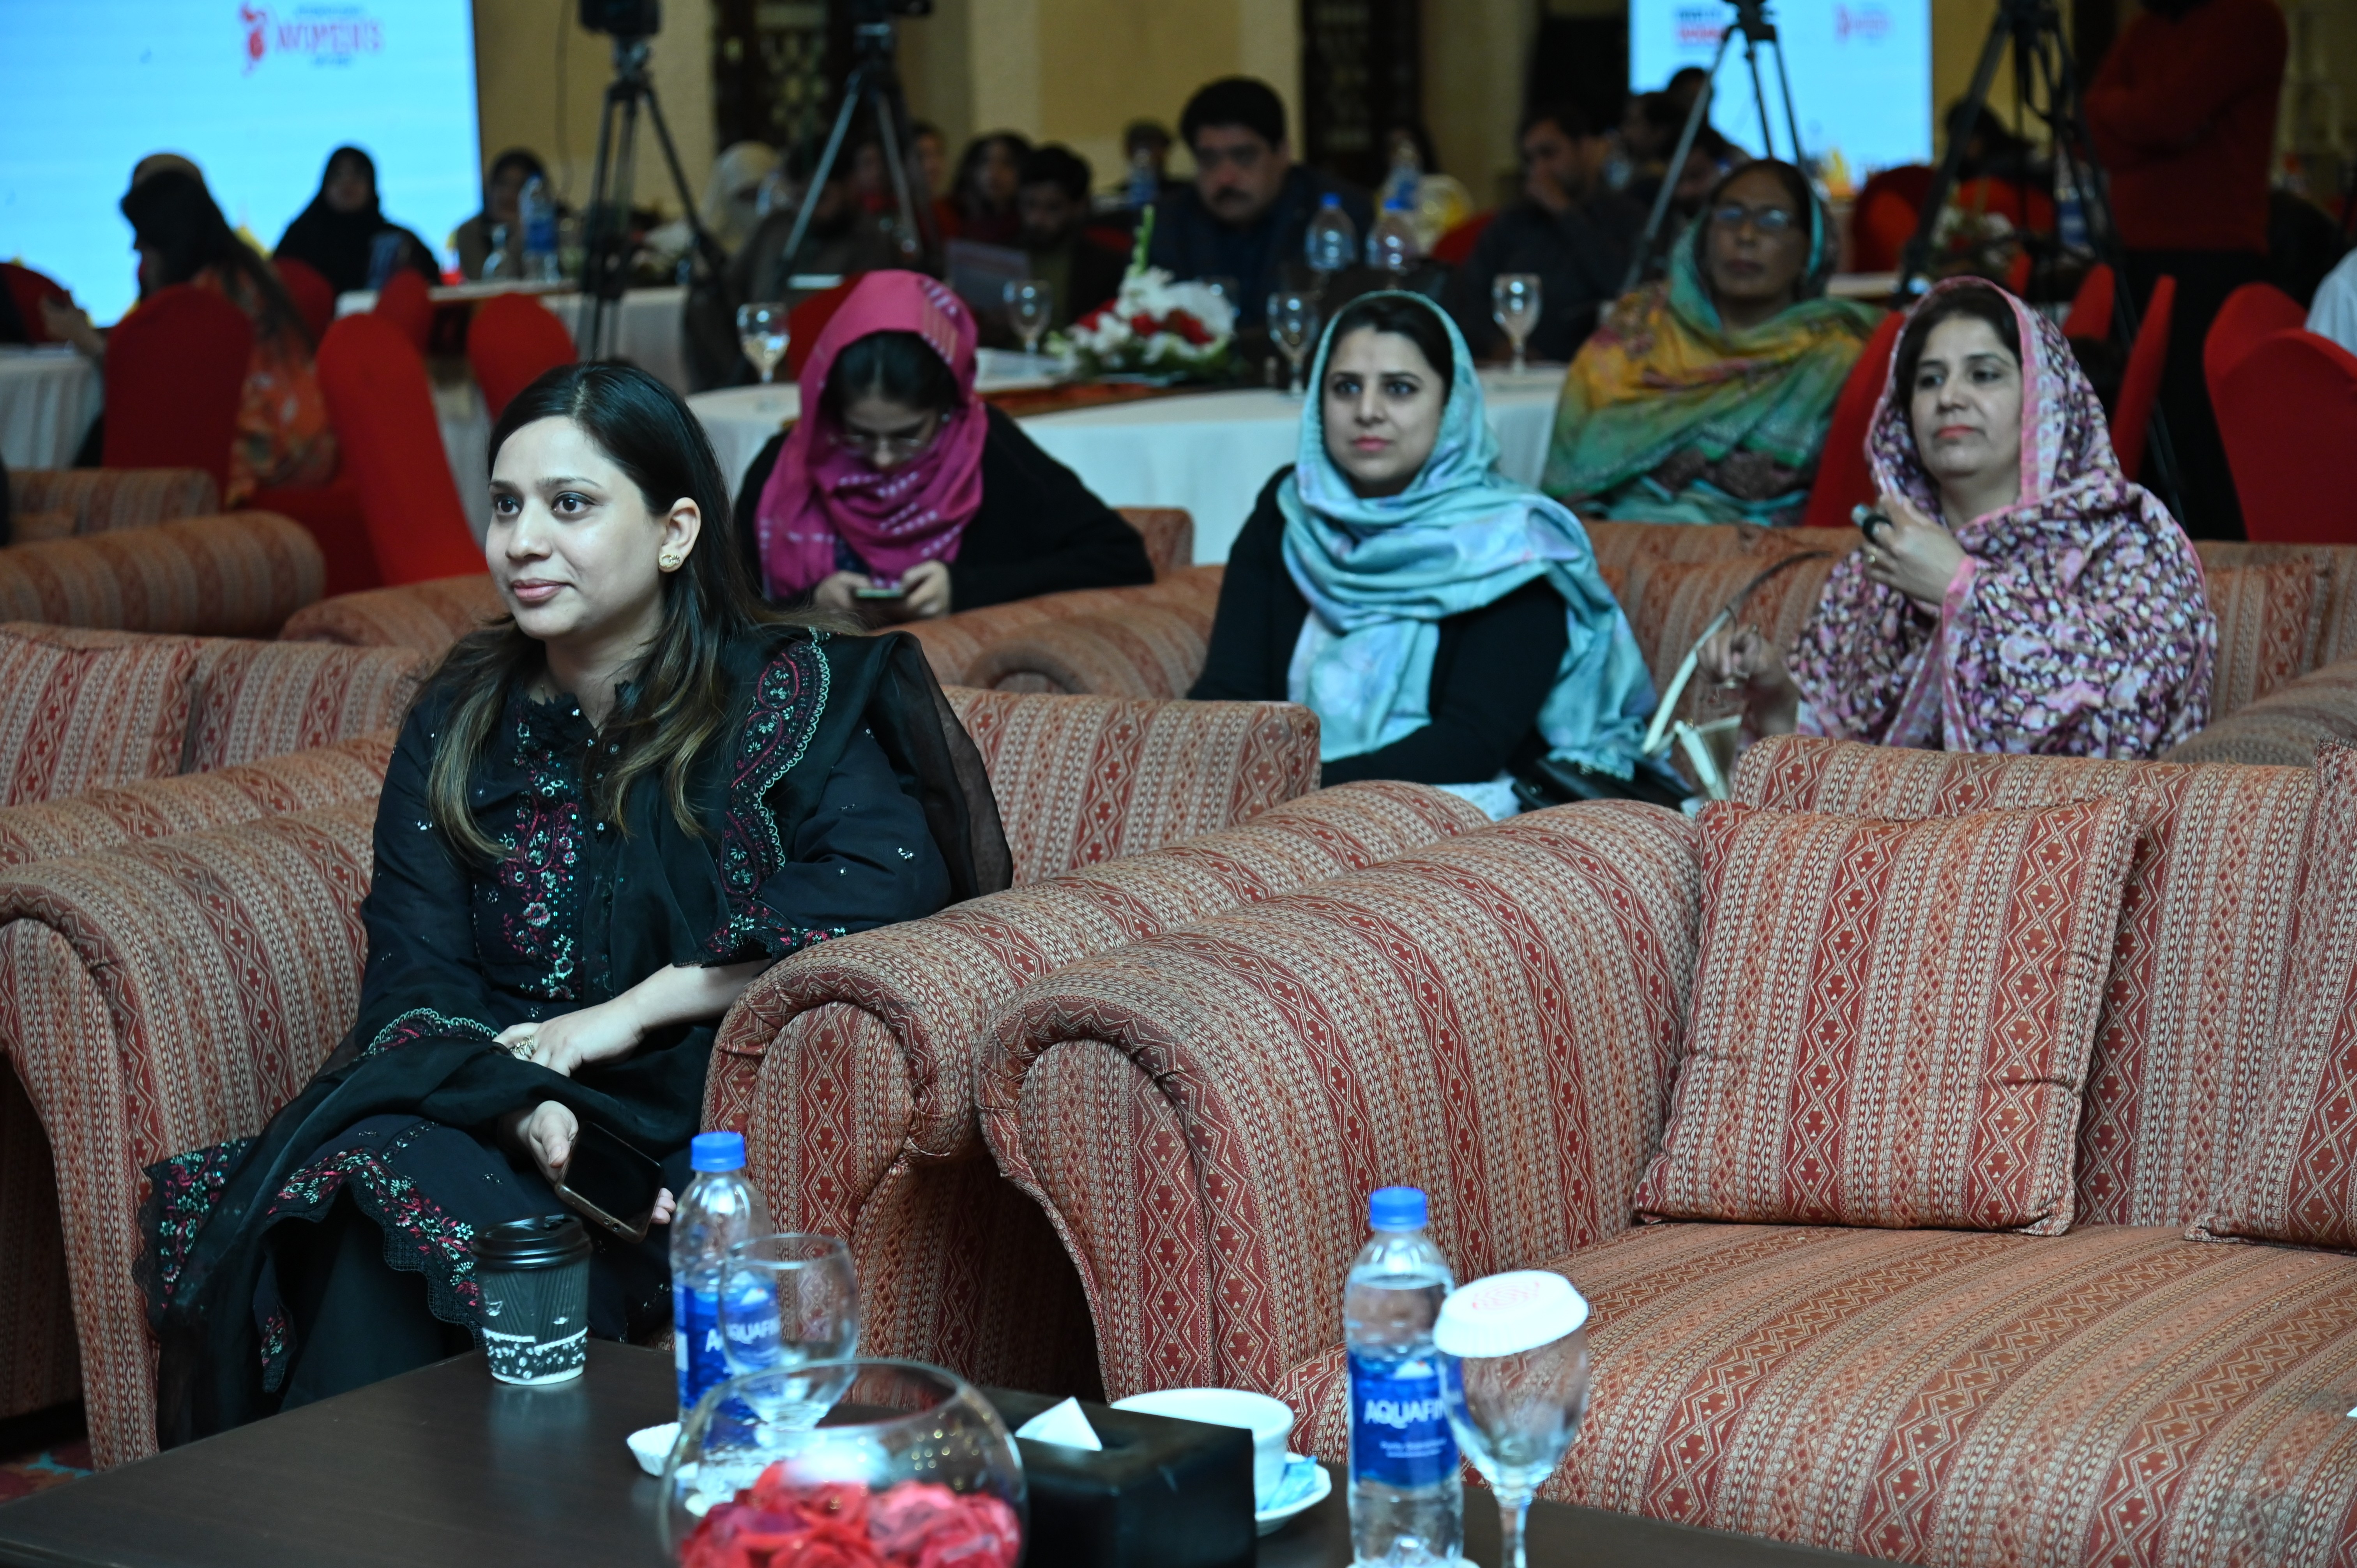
(604, 816)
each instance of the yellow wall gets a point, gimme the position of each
(540, 82)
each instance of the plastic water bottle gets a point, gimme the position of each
(1391, 244)
(2069, 208)
(1145, 186)
(1408, 1505)
(718, 1209)
(1333, 239)
(539, 212)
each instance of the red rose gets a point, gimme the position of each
(1143, 325)
(921, 1525)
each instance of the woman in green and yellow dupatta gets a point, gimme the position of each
(1706, 398)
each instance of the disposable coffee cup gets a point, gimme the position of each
(535, 1275)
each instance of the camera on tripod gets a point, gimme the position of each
(624, 19)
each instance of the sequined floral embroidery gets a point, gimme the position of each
(534, 889)
(424, 1024)
(185, 1189)
(789, 700)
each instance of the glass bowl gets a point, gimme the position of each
(906, 1465)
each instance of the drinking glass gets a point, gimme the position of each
(1293, 322)
(1028, 304)
(786, 1300)
(1514, 305)
(761, 333)
(1515, 1413)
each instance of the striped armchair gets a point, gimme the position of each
(239, 575)
(59, 503)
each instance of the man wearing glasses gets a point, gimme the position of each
(1248, 213)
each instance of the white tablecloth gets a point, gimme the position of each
(646, 328)
(1208, 452)
(48, 395)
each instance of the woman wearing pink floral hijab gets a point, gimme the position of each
(2022, 595)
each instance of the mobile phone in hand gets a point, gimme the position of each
(895, 592)
(611, 1184)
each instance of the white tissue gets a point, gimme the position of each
(1064, 1423)
(651, 1445)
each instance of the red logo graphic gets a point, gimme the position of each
(326, 34)
(1868, 23)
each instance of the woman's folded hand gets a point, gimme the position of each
(573, 1040)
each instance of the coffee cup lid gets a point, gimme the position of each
(548, 1241)
(1505, 1314)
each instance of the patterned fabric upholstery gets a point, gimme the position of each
(2336, 569)
(1674, 600)
(240, 575)
(1892, 1019)
(851, 1069)
(257, 700)
(2293, 1165)
(2114, 1396)
(95, 819)
(159, 997)
(1145, 651)
(2269, 617)
(956, 642)
(1202, 1113)
(427, 617)
(1082, 779)
(1169, 533)
(75, 718)
(2191, 1001)
(2285, 727)
(100, 500)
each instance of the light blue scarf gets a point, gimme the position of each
(1380, 574)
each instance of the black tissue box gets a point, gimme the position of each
(1162, 1494)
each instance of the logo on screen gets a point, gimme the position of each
(324, 35)
(1868, 23)
(1699, 27)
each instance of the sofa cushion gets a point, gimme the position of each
(1892, 1020)
(2295, 1176)
(2114, 1396)
(2269, 619)
(75, 718)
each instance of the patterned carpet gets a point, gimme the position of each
(25, 1473)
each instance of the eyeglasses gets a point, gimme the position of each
(899, 448)
(1770, 220)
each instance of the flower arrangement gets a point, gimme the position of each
(774, 1523)
(1155, 326)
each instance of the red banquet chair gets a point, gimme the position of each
(2287, 411)
(512, 342)
(175, 376)
(1843, 479)
(2091, 307)
(2140, 382)
(404, 302)
(314, 295)
(809, 317)
(383, 410)
(1455, 248)
(28, 288)
(1885, 214)
(2253, 313)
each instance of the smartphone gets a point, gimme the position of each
(611, 1184)
(894, 593)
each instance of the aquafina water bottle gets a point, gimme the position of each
(718, 1209)
(538, 211)
(1332, 239)
(1408, 1506)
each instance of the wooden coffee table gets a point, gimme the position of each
(444, 1466)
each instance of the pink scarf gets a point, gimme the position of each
(822, 492)
(2078, 624)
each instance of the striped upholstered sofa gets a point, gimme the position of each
(169, 993)
(1502, 1019)
(237, 574)
(59, 503)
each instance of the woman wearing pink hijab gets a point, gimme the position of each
(900, 495)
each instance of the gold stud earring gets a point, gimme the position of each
(668, 562)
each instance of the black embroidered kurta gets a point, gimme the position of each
(844, 798)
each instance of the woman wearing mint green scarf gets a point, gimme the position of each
(1447, 625)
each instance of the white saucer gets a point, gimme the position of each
(1271, 1520)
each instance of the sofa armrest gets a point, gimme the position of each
(1145, 651)
(955, 641)
(428, 617)
(1169, 533)
(1202, 1114)
(2285, 726)
(102, 499)
(239, 575)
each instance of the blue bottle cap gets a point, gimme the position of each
(1331, 198)
(726, 1152)
(1397, 1208)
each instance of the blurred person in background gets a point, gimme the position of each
(984, 193)
(731, 207)
(1248, 212)
(1706, 398)
(2183, 115)
(283, 434)
(1054, 199)
(502, 210)
(1151, 140)
(345, 236)
(1569, 229)
(843, 237)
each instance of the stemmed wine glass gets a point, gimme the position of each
(1515, 1384)
(1514, 305)
(761, 334)
(1028, 304)
(786, 1300)
(1293, 322)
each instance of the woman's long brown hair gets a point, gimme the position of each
(679, 697)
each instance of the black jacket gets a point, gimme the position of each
(1490, 677)
(1040, 530)
(1193, 242)
(1580, 257)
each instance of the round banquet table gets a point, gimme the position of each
(48, 395)
(1208, 452)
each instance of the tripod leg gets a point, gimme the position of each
(707, 248)
(1760, 100)
(1917, 259)
(614, 263)
(1791, 119)
(1694, 118)
(889, 107)
(594, 238)
(853, 90)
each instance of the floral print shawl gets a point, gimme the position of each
(2077, 626)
